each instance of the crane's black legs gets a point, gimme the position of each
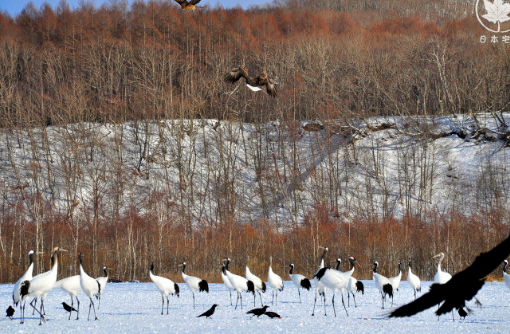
(239, 296)
(343, 303)
(78, 309)
(91, 305)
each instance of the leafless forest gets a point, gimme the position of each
(116, 100)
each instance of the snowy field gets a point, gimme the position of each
(136, 308)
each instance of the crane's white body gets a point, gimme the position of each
(395, 281)
(194, 283)
(380, 282)
(257, 282)
(27, 276)
(165, 286)
(300, 281)
(191, 281)
(72, 286)
(353, 285)
(414, 281)
(225, 279)
(441, 276)
(40, 285)
(90, 287)
(275, 281)
(240, 284)
(336, 280)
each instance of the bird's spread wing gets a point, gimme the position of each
(469, 291)
(181, 2)
(431, 298)
(194, 2)
(486, 262)
(236, 74)
(462, 287)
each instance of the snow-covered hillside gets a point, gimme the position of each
(210, 171)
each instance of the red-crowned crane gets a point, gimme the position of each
(165, 286)
(194, 283)
(300, 281)
(90, 287)
(41, 284)
(275, 281)
(27, 276)
(414, 281)
(382, 284)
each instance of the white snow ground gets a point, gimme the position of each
(136, 308)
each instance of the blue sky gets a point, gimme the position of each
(14, 7)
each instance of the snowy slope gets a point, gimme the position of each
(394, 166)
(136, 307)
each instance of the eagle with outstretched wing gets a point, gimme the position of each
(255, 84)
(188, 5)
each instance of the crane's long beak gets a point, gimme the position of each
(62, 250)
(437, 255)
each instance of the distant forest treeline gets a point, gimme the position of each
(332, 60)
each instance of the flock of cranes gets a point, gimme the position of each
(447, 292)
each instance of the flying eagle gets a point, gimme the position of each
(255, 84)
(188, 5)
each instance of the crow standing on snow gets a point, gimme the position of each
(209, 312)
(9, 312)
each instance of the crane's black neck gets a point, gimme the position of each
(351, 261)
(291, 269)
(226, 264)
(375, 267)
(31, 258)
(183, 267)
(105, 273)
(338, 261)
